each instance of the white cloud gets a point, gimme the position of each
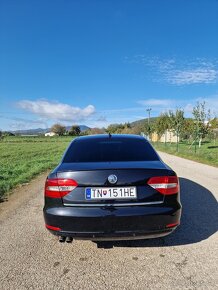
(21, 125)
(47, 112)
(187, 104)
(17, 123)
(123, 110)
(55, 110)
(155, 102)
(179, 71)
(188, 108)
(101, 119)
(194, 76)
(211, 103)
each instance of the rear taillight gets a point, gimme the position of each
(165, 184)
(58, 188)
(52, 228)
(172, 225)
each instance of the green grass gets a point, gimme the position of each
(208, 153)
(22, 158)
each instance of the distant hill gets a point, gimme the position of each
(152, 120)
(39, 131)
(142, 121)
(30, 131)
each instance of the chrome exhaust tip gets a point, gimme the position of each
(69, 240)
(62, 239)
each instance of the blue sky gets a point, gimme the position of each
(97, 62)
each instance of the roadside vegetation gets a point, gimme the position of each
(22, 158)
(207, 154)
(192, 138)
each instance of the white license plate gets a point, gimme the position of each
(111, 193)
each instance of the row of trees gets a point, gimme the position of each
(194, 129)
(61, 130)
(75, 130)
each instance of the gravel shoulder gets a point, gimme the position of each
(31, 258)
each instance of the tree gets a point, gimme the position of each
(94, 131)
(162, 124)
(58, 129)
(214, 123)
(7, 133)
(202, 122)
(142, 127)
(187, 129)
(176, 123)
(126, 129)
(115, 128)
(148, 128)
(74, 131)
(127, 125)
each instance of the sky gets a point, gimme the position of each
(97, 62)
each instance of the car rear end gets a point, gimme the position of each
(83, 201)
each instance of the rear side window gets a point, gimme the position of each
(106, 150)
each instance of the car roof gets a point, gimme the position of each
(111, 136)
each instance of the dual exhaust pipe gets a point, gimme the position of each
(65, 239)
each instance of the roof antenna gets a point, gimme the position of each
(109, 135)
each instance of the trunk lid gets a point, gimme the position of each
(134, 174)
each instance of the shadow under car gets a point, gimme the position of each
(199, 219)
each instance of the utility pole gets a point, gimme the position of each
(149, 114)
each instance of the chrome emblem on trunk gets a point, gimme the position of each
(112, 179)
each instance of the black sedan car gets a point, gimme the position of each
(111, 187)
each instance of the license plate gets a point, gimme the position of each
(111, 193)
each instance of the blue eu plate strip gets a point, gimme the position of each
(88, 193)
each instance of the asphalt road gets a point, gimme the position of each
(31, 258)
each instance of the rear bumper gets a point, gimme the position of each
(133, 235)
(113, 223)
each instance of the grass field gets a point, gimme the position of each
(208, 153)
(22, 158)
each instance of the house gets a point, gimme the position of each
(168, 136)
(50, 134)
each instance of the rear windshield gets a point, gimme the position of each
(95, 150)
